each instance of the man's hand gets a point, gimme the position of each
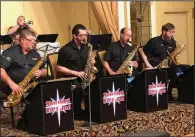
(133, 64)
(81, 74)
(38, 73)
(21, 23)
(149, 66)
(112, 73)
(15, 88)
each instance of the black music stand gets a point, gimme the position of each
(50, 38)
(185, 85)
(5, 39)
(101, 42)
(47, 38)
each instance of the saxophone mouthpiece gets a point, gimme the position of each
(129, 43)
(89, 32)
(85, 41)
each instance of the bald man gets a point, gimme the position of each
(118, 52)
(14, 31)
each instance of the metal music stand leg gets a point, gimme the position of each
(90, 123)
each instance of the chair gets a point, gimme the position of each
(52, 60)
(101, 54)
(3, 98)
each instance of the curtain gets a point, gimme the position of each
(106, 16)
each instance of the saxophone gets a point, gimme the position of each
(90, 68)
(172, 58)
(124, 68)
(25, 85)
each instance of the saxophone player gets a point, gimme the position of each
(158, 48)
(72, 59)
(117, 53)
(18, 61)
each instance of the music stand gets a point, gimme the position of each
(5, 39)
(47, 38)
(90, 123)
(101, 42)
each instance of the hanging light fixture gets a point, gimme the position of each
(140, 9)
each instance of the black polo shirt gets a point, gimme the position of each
(116, 55)
(158, 49)
(19, 30)
(17, 64)
(71, 57)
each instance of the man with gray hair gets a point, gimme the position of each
(17, 62)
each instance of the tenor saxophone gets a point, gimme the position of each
(90, 68)
(124, 68)
(25, 85)
(172, 58)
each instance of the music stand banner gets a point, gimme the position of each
(156, 86)
(58, 107)
(51, 108)
(113, 96)
(148, 91)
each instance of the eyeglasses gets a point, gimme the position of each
(171, 31)
(31, 40)
(127, 35)
(82, 35)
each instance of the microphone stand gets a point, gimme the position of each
(90, 123)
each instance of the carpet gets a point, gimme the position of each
(177, 120)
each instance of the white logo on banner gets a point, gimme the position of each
(114, 96)
(58, 105)
(156, 89)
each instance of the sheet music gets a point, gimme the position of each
(62, 79)
(52, 48)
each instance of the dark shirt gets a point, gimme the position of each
(71, 57)
(17, 64)
(116, 55)
(158, 49)
(19, 29)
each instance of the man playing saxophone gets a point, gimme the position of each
(160, 47)
(18, 61)
(118, 52)
(72, 59)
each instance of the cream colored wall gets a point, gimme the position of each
(158, 19)
(50, 17)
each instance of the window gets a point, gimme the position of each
(140, 22)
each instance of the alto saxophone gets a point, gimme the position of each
(124, 68)
(90, 68)
(172, 58)
(25, 85)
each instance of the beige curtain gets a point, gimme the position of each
(106, 15)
